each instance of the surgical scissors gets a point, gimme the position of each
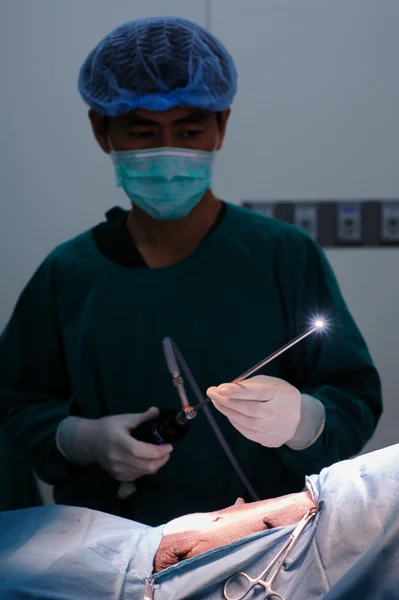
(267, 584)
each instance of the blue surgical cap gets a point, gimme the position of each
(157, 64)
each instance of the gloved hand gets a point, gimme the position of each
(264, 409)
(107, 441)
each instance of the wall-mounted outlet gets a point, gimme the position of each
(390, 222)
(263, 208)
(305, 216)
(349, 223)
(332, 223)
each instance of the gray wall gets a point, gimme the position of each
(317, 116)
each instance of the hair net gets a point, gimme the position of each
(156, 64)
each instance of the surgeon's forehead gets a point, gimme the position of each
(174, 116)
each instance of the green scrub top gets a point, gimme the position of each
(18, 487)
(86, 338)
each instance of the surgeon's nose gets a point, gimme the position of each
(168, 138)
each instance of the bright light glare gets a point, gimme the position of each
(320, 324)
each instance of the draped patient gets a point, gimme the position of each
(350, 549)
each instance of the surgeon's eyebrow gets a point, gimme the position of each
(194, 118)
(137, 120)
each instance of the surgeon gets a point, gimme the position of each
(81, 361)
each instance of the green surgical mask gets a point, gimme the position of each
(167, 183)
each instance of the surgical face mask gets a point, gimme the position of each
(167, 183)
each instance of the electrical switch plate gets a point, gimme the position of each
(349, 223)
(390, 222)
(305, 216)
(267, 210)
(263, 208)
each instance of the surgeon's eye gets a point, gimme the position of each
(142, 135)
(192, 133)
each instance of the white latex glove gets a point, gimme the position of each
(264, 409)
(107, 441)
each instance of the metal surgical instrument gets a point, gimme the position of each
(249, 583)
(318, 326)
(171, 426)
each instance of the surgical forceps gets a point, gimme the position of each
(267, 584)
